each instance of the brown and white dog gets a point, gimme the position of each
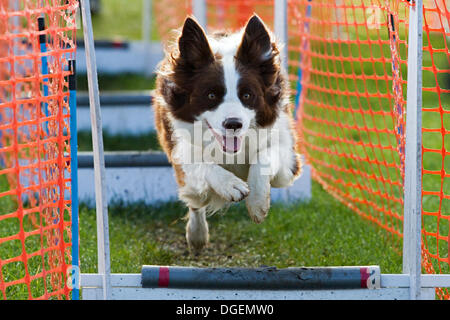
(230, 88)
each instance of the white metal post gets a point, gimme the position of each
(104, 264)
(146, 20)
(413, 155)
(147, 33)
(199, 11)
(280, 28)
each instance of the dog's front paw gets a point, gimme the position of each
(233, 190)
(196, 240)
(258, 205)
(230, 188)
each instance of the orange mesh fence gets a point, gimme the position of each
(169, 15)
(348, 68)
(234, 14)
(35, 217)
(221, 14)
(352, 58)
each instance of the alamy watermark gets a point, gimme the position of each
(202, 144)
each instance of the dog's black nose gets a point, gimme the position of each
(232, 123)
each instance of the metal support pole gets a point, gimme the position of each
(104, 263)
(147, 32)
(199, 11)
(74, 180)
(281, 30)
(413, 154)
(146, 20)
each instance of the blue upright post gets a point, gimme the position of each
(299, 74)
(74, 179)
(44, 65)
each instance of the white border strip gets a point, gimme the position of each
(120, 293)
(128, 286)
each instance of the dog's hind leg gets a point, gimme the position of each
(197, 232)
(262, 169)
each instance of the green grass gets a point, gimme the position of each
(322, 232)
(143, 142)
(6, 202)
(13, 248)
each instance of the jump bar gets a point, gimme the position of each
(266, 278)
(119, 98)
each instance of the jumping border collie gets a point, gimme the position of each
(232, 88)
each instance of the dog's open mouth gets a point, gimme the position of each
(230, 144)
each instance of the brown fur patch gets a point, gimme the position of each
(165, 131)
(262, 99)
(259, 66)
(297, 166)
(186, 100)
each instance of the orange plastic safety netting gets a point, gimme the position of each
(234, 14)
(348, 67)
(35, 217)
(220, 14)
(352, 60)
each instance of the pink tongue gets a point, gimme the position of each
(231, 144)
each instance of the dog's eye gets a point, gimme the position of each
(246, 96)
(211, 96)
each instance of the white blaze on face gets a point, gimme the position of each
(231, 107)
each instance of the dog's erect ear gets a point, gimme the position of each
(257, 51)
(193, 45)
(256, 43)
